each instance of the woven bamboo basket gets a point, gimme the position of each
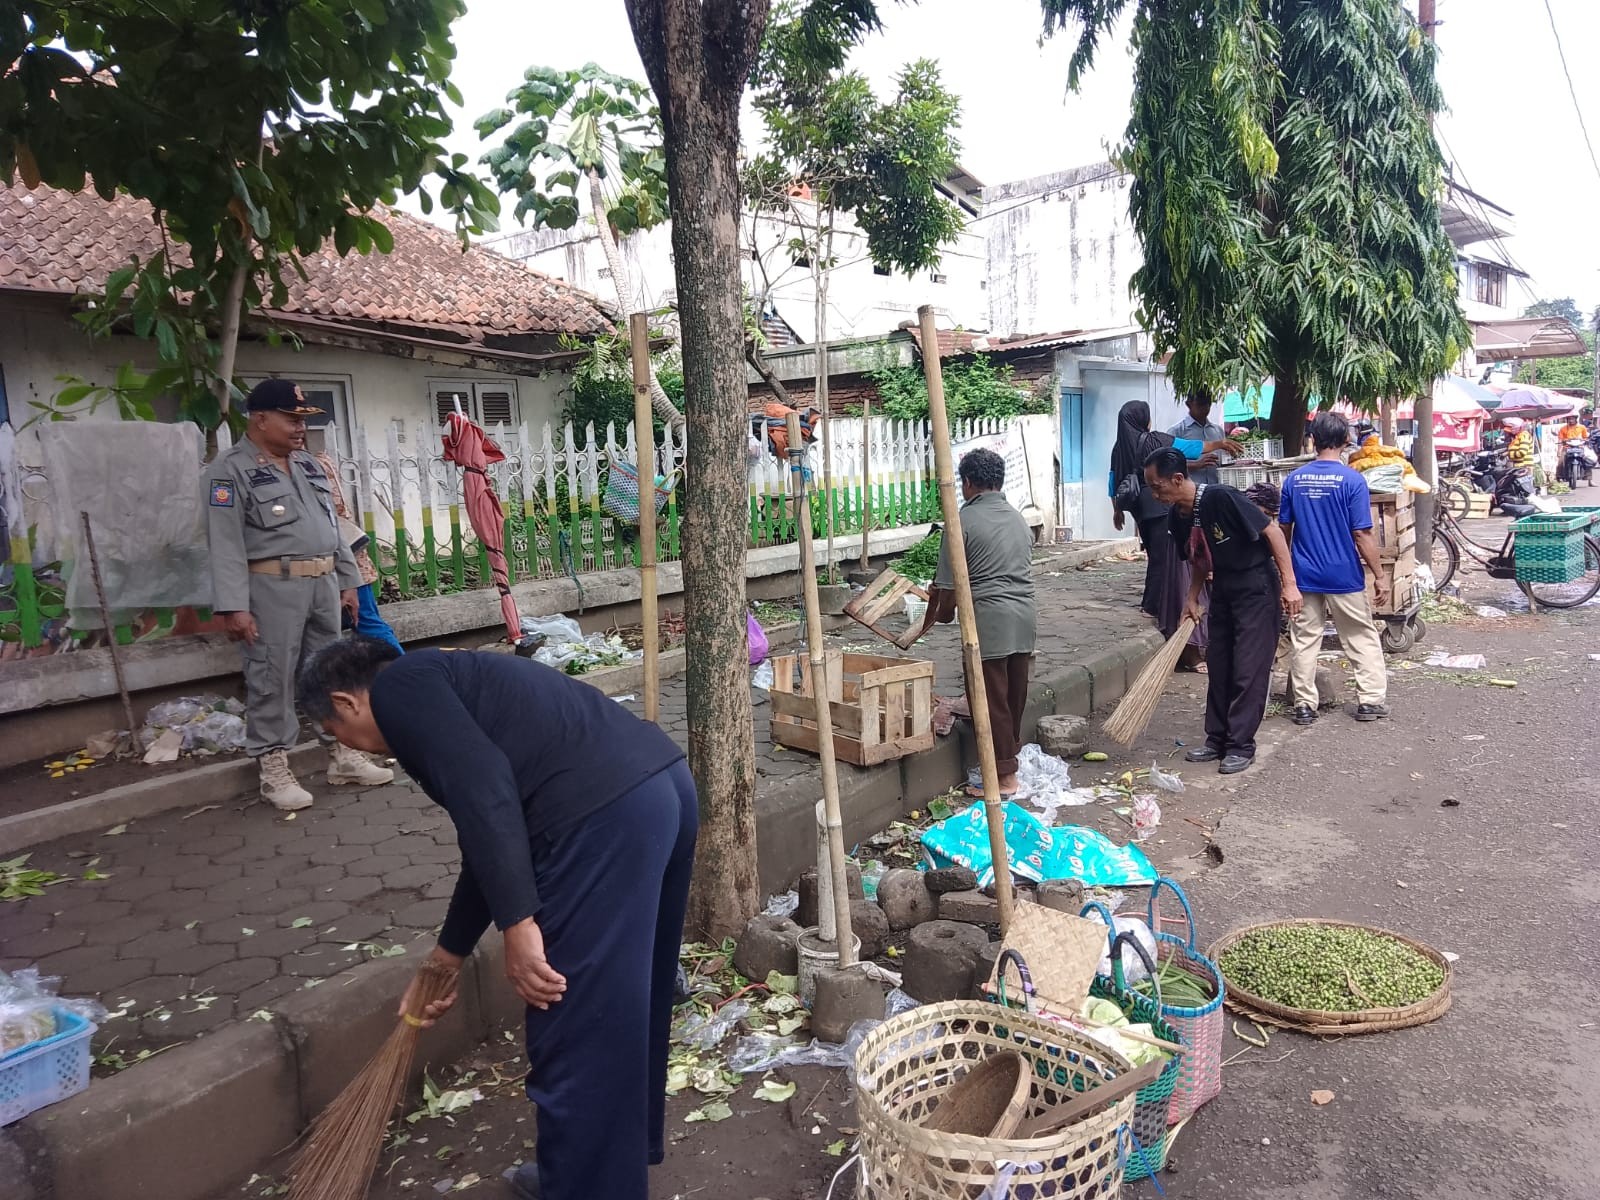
(1326, 1022)
(906, 1066)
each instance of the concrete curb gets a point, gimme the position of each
(236, 778)
(255, 1084)
(209, 784)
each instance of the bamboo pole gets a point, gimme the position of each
(956, 554)
(866, 483)
(834, 868)
(644, 440)
(105, 619)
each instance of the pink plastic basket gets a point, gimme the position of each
(46, 1071)
(1200, 1029)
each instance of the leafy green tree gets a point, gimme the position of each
(1286, 192)
(256, 130)
(589, 134)
(833, 149)
(976, 388)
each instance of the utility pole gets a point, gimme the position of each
(1422, 410)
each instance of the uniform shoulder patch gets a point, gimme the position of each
(222, 493)
(310, 467)
(262, 477)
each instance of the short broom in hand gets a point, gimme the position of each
(341, 1148)
(1139, 705)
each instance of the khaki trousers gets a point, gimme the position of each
(1358, 634)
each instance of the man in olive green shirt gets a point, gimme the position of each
(1000, 565)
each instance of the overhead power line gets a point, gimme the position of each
(1571, 88)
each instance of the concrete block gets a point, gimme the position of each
(182, 1126)
(806, 915)
(983, 971)
(951, 879)
(942, 960)
(767, 945)
(337, 1027)
(1327, 688)
(1061, 895)
(842, 999)
(1063, 735)
(972, 908)
(1041, 703)
(905, 899)
(868, 922)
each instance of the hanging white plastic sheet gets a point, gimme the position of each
(139, 481)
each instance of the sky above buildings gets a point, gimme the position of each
(1512, 130)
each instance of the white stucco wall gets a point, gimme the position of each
(1061, 251)
(1107, 385)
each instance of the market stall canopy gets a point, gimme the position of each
(1526, 337)
(1534, 404)
(1254, 404)
(1454, 395)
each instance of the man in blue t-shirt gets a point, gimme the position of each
(1327, 507)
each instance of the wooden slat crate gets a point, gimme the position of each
(882, 707)
(1479, 505)
(1394, 524)
(882, 598)
(1401, 573)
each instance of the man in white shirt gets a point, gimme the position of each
(1198, 426)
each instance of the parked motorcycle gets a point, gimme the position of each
(1577, 462)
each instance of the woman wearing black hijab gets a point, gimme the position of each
(1166, 581)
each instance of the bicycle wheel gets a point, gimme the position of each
(1569, 595)
(1444, 558)
(1455, 499)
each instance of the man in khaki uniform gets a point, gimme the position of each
(280, 572)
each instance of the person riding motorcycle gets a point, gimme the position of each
(1577, 459)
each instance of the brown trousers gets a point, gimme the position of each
(1005, 681)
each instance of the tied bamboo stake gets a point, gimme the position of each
(105, 619)
(342, 1146)
(644, 440)
(1139, 705)
(866, 483)
(843, 936)
(972, 656)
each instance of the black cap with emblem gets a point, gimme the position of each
(279, 395)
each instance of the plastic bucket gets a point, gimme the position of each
(815, 953)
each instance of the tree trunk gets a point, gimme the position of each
(1288, 412)
(697, 54)
(660, 402)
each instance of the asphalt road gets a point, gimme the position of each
(1500, 1098)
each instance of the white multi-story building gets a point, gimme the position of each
(863, 299)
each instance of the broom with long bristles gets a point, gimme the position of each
(341, 1148)
(1139, 705)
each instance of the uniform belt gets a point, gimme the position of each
(290, 567)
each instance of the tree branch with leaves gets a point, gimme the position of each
(585, 136)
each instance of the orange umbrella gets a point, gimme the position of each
(472, 450)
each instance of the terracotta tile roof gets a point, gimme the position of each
(54, 241)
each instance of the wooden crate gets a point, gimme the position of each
(882, 598)
(1394, 524)
(1401, 574)
(882, 707)
(1478, 505)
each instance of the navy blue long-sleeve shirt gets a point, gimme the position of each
(516, 752)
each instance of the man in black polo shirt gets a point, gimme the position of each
(1245, 600)
(577, 826)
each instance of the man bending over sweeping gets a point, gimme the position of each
(577, 826)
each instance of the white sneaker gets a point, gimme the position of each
(353, 767)
(279, 787)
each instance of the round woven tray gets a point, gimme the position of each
(1324, 1022)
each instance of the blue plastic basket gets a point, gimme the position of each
(46, 1071)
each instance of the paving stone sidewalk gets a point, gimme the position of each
(210, 915)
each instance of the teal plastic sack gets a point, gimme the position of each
(1037, 851)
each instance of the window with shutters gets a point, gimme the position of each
(485, 402)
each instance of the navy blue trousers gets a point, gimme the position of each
(615, 891)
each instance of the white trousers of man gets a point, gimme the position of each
(1358, 634)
